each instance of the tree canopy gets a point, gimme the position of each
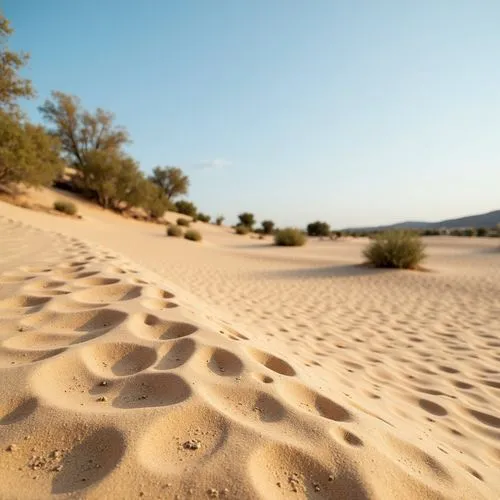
(81, 132)
(171, 180)
(12, 85)
(247, 219)
(318, 228)
(27, 153)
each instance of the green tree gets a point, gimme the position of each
(318, 228)
(82, 133)
(247, 219)
(27, 153)
(12, 86)
(267, 226)
(171, 180)
(186, 207)
(219, 220)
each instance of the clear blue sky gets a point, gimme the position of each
(355, 112)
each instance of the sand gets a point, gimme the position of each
(135, 365)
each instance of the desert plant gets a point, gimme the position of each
(267, 226)
(171, 181)
(247, 219)
(396, 249)
(318, 228)
(183, 222)
(241, 229)
(192, 235)
(203, 217)
(289, 237)
(186, 207)
(482, 231)
(174, 231)
(66, 207)
(219, 220)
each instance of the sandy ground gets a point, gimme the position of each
(136, 365)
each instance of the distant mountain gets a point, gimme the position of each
(490, 219)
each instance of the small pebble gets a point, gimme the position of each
(12, 447)
(102, 399)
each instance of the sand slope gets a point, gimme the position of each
(119, 384)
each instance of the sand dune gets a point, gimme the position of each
(140, 366)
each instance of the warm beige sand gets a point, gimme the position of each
(135, 365)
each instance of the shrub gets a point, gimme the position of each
(482, 231)
(186, 208)
(183, 222)
(193, 235)
(289, 237)
(240, 229)
(246, 219)
(396, 249)
(203, 217)
(469, 232)
(219, 220)
(66, 207)
(267, 226)
(174, 231)
(318, 228)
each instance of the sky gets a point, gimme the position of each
(354, 112)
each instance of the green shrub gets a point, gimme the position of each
(267, 226)
(193, 235)
(482, 231)
(183, 222)
(240, 229)
(219, 220)
(289, 237)
(203, 217)
(66, 207)
(186, 207)
(247, 219)
(174, 231)
(318, 228)
(396, 249)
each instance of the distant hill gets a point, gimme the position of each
(490, 219)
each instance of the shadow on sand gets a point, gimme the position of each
(342, 271)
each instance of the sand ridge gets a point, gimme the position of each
(117, 384)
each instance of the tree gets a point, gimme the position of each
(27, 153)
(82, 133)
(482, 231)
(111, 176)
(318, 228)
(186, 207)
(172, 180)
(247, 219)
(267, 226)
(203, 217)
(219, 220)
(12, 86)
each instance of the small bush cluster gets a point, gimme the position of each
(240, 229)
(219, 220)
(175, 231)
(203, 217)
(193, 235)
(186, 207)
(289, 237)
(183, 222)
(318, 228)
(396, 249)
(247, 219)
(267, 226)
(66, 207)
